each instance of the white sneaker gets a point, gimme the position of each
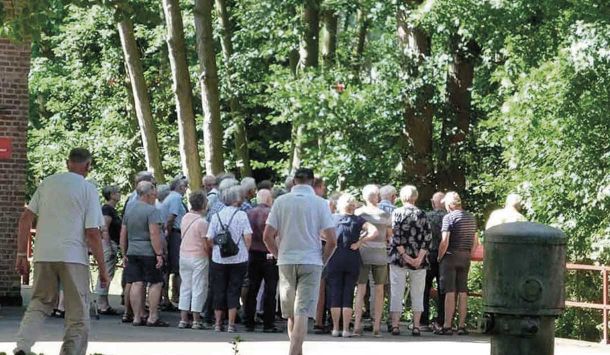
(346, 334)
(336, 333)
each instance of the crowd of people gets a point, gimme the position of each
(241, 246)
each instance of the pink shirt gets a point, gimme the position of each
(194, 229)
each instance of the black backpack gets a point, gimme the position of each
(225, 241)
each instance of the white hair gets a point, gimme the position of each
(344, 201)
(408, 193)
(452, 199)
(386, 192)
(231, 195)
(369, 191)
(227, 183)
(513, 200)
(248, 184)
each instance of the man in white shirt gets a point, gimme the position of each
(298, 219)
(69, 222)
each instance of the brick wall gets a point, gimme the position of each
(14, 68)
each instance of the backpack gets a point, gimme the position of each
(225, 241)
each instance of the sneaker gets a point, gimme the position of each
(231, 329)
(346, 334)
(184, 325)
(335, 333)
(218, 328)
(198, 325)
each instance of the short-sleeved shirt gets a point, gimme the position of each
(194, 230)
(257, 217)
(299, 217)
(435, 218)
(132, 198)
(504, 215)
(66, 204)
(114, 230)
(462, 226)
(173, 204)
(214, 208)
(213, 196)
(246, 206)
(137, 220)
(238, 227)
(387, 206)
(374, 252)
(411, 231)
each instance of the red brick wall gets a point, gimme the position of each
(14, 105)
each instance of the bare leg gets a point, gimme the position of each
(299, 329)
(320, 306)
(416, 319)
(232, 315)
(395, 318)
(463, 308)
(218, 314)
(135, 298)
(154, 297)
(449, 308)
(378, 307)
(196, 317)
(290, 327)
(126, 298)
(347, 317)
(360, 291)
(336, 314)
(184, 316)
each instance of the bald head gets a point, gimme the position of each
(437, 199)
(264, 196)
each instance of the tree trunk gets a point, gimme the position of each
(187, 132)
(308, 59)
(148, 131)
(241, 139)
(208, 79)
(457, 126)
(363, 26)
(418, 114)
(329, 51)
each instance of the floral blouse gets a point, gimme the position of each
(411, 231)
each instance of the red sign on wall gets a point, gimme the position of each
(6, 148)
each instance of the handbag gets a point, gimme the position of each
(224, 239)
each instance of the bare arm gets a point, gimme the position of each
(155, 239)
(23, 238)
(248, 240)
(269, 239)
(106, 229)
(94, 242)
(331, 243)
(442, 248)
(372, 232)
(123, 240)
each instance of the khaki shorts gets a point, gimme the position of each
(299, 288)
(380, 274)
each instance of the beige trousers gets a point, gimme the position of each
(74, 280)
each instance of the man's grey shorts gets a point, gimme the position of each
(299, 288)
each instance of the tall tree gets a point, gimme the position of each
(241, 138)
(456, 127)
(418, 113)
(187, 132)
(148, 130)
(329, 49)
(309, 53)
(208, 79)
(363, 27)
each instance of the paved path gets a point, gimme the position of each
(109, 336)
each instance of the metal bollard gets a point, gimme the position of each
(523, 287)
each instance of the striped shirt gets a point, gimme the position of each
(462, 226)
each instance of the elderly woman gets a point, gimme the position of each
(374, 256)
(344, 265)
(194, 262)
(228, 271)
(408, 249)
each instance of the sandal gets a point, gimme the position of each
(184, 325)
(462, 331)
(108, 312)
(444, 331)
(377, 333)
(415, 332)
(158, 324)
(126, 318)
(395, 331)
(357, 333)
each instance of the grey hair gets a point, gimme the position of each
(198, 200)
(408, 193)
(144, 188)
(386, 192)
(231, 195)
(227, 183)
(248, 184)
(162, 192)
(177, 182)
(107, 191)
(369, 191)
(513, 200)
